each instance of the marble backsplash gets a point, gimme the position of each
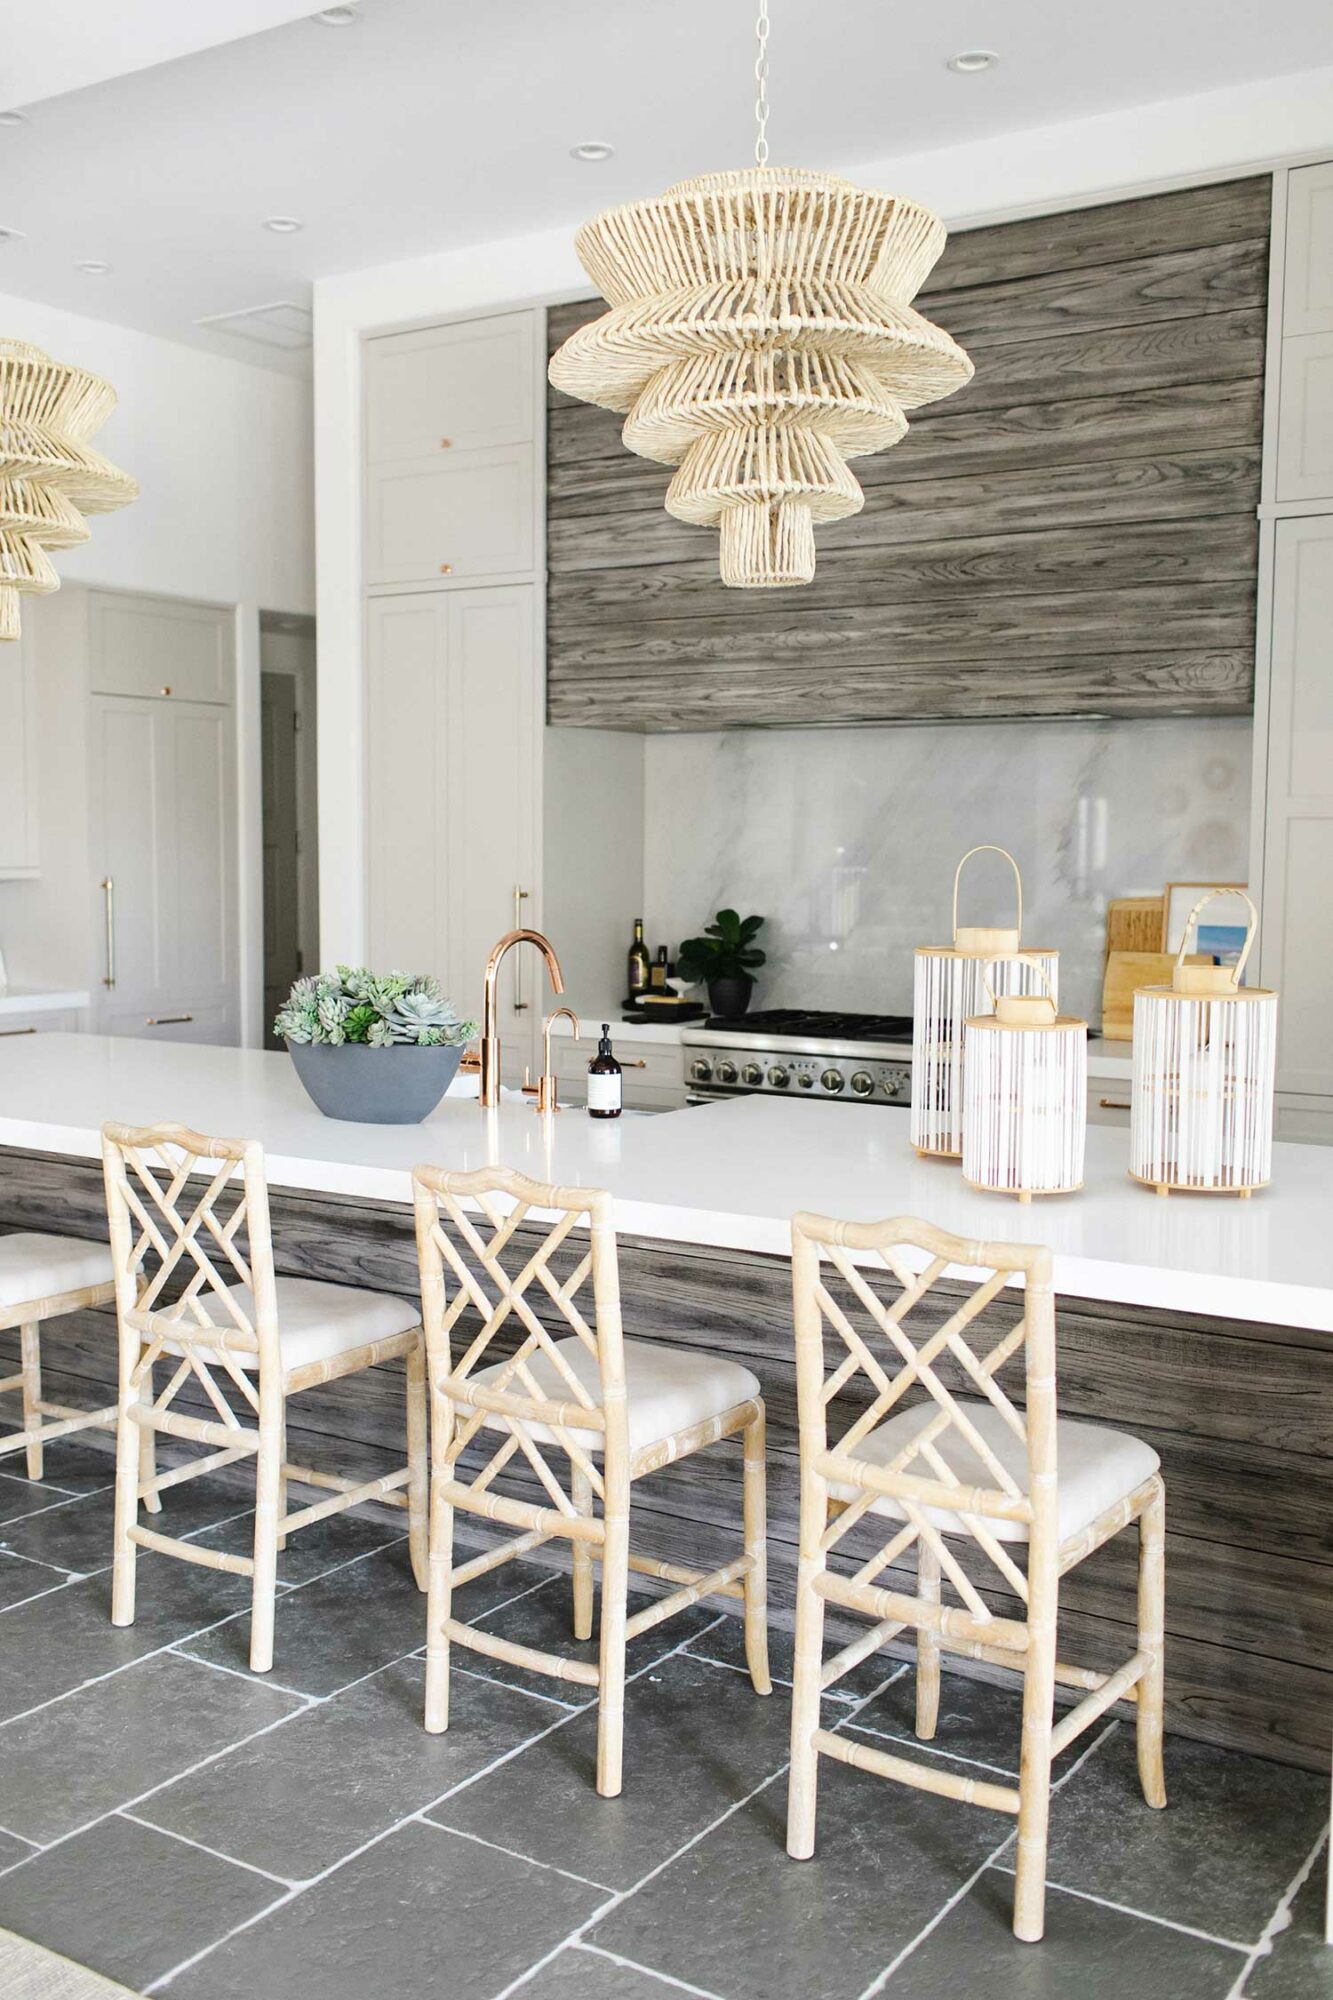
(847, 839)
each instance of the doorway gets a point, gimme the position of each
(289, 780)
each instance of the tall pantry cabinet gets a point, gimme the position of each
(1293, 860)
(454, 670)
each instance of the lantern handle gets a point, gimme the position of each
(1191, 923)
(988, 847)
(1008, 958)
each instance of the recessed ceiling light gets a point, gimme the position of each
(972, 61)
(8, 235)
(592, 149)
(13, 117)
(283, 225)
(95, 267)
(335, 17)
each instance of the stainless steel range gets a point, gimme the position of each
(851, 1058)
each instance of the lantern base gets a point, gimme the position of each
(936, 1153)
(1184, 1187)
(1024, 1194)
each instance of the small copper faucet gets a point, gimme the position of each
(490, 1036)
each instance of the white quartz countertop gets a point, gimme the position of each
(40, 1000)
(727, 1173)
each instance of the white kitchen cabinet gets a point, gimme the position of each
(159, 648)
(162, 847)
(451, 494)
(1307, 287)
(654, 1072)
(453, 726)
(1297, 941)
(18, 762)
(1305, 421)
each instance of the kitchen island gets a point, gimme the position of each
(1203, 1324)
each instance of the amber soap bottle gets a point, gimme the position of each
(605, 1080)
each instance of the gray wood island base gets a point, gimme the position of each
(1240, 1412)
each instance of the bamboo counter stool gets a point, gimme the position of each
(189, 1216)
(615, 1409)
(42, 1277)
(986, 1471)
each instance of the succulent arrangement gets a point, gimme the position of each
(381, 1010)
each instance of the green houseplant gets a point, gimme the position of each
(725, 958)
(378, 1048)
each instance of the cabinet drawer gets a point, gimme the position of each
(454, 388)
(1308, 1119)
(470, 517)
(658, 1086)
(59, 1021)
(150, 646)
(1307, 291)
(205, 1023)
(1108, 1103)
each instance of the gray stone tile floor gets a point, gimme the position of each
(203, 1833)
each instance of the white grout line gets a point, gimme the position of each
(528, 1860)
(934, 1749)
(1128, 1910)
(1280, 1919)
(532, 1694)
(182, 1652)
(882, 1979)
(57, 1569)
(186, 1840)
(632, 1964)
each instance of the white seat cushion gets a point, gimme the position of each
(316, 1321)
(667, 1389)
(1096, 1466)
(35, 1266)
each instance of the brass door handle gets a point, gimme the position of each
(109, 896)
(1111, 1104)
(640, 1062)
(166, 1020)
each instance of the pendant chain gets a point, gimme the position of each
(761, 78)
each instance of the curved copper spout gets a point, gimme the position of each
(490, 1037)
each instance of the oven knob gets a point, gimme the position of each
(779, 1077)
(700, 1070)
(863, 1083)
(726, 1072)
(805, 1080)
(832, 1079)
(752, 1074)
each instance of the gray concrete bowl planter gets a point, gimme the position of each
(368, 1086)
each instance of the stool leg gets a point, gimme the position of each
(282, 1480)
(440, 1587)
(754, 1501)
(268, 1482)
(418, 1469)
(1034, 1780)
(611, 1682)
(148, 1448)
(1152, 1621)
(123, 1547)
(30, 1352)
(580, 1488)
(927, 1644)
(802, 1782)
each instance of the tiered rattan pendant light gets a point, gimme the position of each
(49, 476)
(761, 333)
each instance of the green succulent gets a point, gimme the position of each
(376, 1010)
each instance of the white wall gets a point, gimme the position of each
(223, 455)
(1170, 143)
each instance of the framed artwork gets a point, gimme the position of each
(1222, 928)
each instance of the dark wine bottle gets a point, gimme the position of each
(605, 1080)
(639, 970)
(657, 976)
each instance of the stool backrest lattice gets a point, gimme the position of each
(473, 1306)
(188, 1219)
(892, 1342)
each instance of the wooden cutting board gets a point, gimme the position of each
(1125, 972)
(1135, 923)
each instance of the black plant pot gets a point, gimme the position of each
(730, 997)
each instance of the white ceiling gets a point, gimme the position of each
(435, 123)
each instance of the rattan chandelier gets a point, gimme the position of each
(761, 333)
(49, 475)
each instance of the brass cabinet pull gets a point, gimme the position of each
(109, 894)
(1111, 1104)
(445, 443)
(520, 1004)
(165, 1020)
(164, 690)
(446, 569)
(16, 1031)
(641, 1062)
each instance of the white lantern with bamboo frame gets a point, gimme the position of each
(948, 987)
(1025, 1096)
(1205, 1054)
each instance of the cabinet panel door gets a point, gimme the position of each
(1298, 865)
(129, 797)
(150, 646)
(18, 761)
(1305, 419)
(406, 698)
(469, 516)
(494, 775)
(1307, 287)
(202, 928)
(450, 388)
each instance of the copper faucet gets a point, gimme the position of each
(490, 1037)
